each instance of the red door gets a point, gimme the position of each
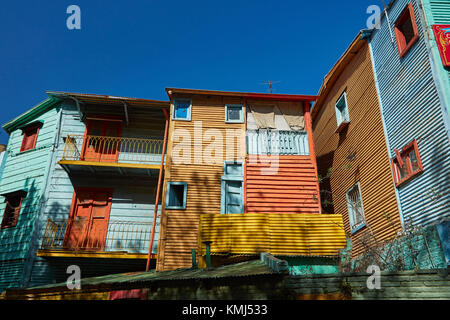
(88, 224)
(101, 143)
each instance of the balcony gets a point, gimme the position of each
(104, 154)
(83, 238)
(277, 142)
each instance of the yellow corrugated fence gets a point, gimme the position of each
(278, 234)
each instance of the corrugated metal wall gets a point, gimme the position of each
(280, 184)
(179, 228)
(412, 110)
(359, 154)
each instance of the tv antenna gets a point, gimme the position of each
(270, 83)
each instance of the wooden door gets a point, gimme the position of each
(92, 142)
(110, 148)
(233, 197)
(100, 142)
(88, 224)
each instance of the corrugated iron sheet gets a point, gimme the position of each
(360, 154)
(276, 233)
(290, 187)
(412, 110)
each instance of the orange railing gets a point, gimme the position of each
(112, 149)
(78, 234)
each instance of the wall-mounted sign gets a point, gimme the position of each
(442, 35)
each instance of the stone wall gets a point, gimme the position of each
(428, 284)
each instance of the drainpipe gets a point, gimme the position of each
(158, 190)
(312, 152)
(208, 254)
(194, 259)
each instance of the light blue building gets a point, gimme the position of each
(413, 89)
(79, 184)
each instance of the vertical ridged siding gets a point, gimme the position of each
(290, 187)
(412, 110)
(365, 138)
(179, 228)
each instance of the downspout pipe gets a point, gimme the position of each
(158, 190)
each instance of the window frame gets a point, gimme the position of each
(189, 111)
(16, 212)
(169, 184)
(354, 228)
(25, 137)
(402, 46)
(241, 113)
(404, 153)
(231, 177)
(342, 122)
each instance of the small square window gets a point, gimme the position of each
(234, 113)
(406, 31)
(233, 168)
(355, 208)
(29, 139)
(182, 110)
(11, 214)
(342, 115)
(410, 164)
(176, 195)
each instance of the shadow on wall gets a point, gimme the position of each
(324, 166)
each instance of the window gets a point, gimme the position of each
(232, 197)
(234, 113)
(30, 134)
(355, 208)
(342, 115)
(176, 195)
(406, 163)
(233, 168)
(13, 203)
(182, 110)
(406, 31)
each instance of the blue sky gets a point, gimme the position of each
(138, 48)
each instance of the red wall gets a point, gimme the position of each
(290, 188)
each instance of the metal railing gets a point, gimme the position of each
(80, 235)
(280, 142)
(112, 149)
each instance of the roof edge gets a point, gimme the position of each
(338, 69)
(249, 95)
(33, 112)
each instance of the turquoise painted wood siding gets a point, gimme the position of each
(133, 201)
(24, 171)
(412, 109)
(438, 12)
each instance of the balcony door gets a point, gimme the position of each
(88, 223)
(102, 143)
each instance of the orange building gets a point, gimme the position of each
(350, 144)
(244, 155)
